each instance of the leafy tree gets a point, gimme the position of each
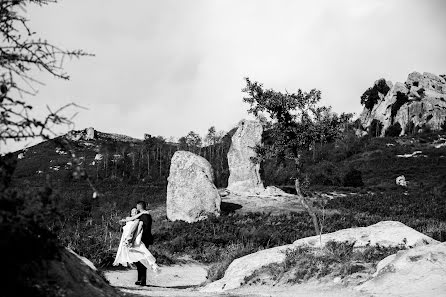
(182, 141)
(22, 55)
(371, 96)
(193, 139)
(210, 138)
(297, 122)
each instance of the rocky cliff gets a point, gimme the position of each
(419, 103)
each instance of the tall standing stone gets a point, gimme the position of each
(244, 174)
(191, 193)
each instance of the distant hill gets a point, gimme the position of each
(108, 156)
(120, 160)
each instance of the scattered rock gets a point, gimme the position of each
(401, 181)
(416, 272)
(20, 156)
(98, 157)
(414, 154)
(191, 193)
(60, 151)
(244, 173)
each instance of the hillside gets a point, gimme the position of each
(130, 171)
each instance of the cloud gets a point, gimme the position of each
(168, 67)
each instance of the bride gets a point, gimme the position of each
(131, 249)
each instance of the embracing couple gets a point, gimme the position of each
(135, 240)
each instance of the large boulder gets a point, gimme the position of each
(244, 174)
(386, 233)
(416, 272)
(245, 266)
(191, 193)
(419, 102)
(66, 274)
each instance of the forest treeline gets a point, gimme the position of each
(149, 160)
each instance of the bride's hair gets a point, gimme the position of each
(134, 211)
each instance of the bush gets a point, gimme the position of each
(27, 242)
(325, 173)
(371, 96)
(375, 128)
(335, 259)
(353, 178)
(393, 130)
(229, 254)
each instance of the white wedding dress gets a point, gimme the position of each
(137, 253)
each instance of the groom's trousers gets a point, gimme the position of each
(142, 272)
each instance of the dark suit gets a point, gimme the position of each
(147, 239)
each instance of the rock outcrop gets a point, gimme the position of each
(416, 272)
(86, 134)
(90, 133)
(191, 193)
(244, 174)
(418, 103)
(66, 274)
(386, 233)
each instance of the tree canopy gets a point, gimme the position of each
(371, 96)
(296, 120)
(22, 55)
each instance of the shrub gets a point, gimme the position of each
(393, 130)
(325, 173)
(353, 178)
(401, 99)
(229, 254)
(27, 242)
(335, 259)
(375, 128)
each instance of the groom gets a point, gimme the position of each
(147, 239)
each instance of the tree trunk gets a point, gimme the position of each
(307, 206)
(159, 156)
(314, 150)
(148, 163)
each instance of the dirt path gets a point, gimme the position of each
(177, 280)
(185, 280)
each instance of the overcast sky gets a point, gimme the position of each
(168, 67)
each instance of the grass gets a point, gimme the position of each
(336, 259)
